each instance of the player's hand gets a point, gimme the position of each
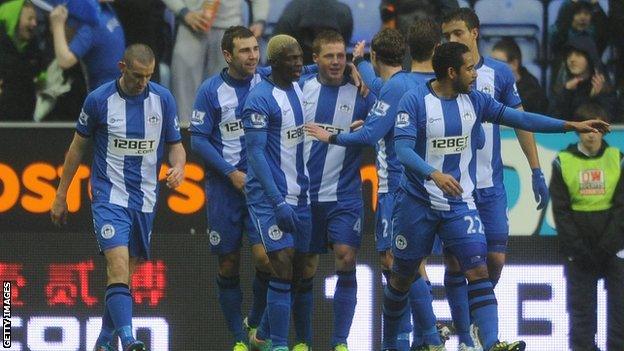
(196, 21)
(317, 131)
(357, 124)
(540, 190)
(589, 126)
(286, 218)
(358, 49)
(175, 175)
(58, 212)
(449, 185)
(58, 16)
(238, 179)
(356, 78)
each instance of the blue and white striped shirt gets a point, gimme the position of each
(130, 133)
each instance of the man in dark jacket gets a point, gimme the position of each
(581, 79)
(531, 93)
(21, 60)
(587, 190)
(304, 19)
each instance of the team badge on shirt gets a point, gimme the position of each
(215, 238)
(275, 233)
(401, 242)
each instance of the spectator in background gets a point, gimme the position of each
(581, 79)
(20, 60)
(587, 190)
(578, 18)
(197, 50)
(304, 19)
(99, 47)
(531, 93)
(151, 29)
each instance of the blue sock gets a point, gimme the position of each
(345, 299)
(484, 311)
(260, 286)
(457, 296)
(302, 310)
(230, 299)
(418, 334)
(108, 328)
(421, 303)
(278, 303)
(119, 305)
(264, 329)
(394, 307)
(405, 329)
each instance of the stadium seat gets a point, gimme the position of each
(275, 12)
(366, 19)
(463, 3)
(511, 13)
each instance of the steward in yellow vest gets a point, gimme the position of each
(587, 191)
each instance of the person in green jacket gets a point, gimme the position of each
(21, 60)
(587, 190)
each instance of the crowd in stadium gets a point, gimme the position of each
(281, 143)
(41, 81)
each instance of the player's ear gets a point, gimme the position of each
(227, 56)
(122, 65)
(315, 57)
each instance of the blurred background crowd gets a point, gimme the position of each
(563, 53)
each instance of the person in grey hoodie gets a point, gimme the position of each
(197, 49)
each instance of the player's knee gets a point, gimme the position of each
(261, 261)
(118, 270)
(282, 263)
(229, 264)
(386, 259)
(477, 273)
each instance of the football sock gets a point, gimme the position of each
(345, 299)
(230, 299)
(119, 305)
(457, 296)
(260, 286)
(278, 303)
(484, 311)
(302, 310)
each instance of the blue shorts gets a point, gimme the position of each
(263, 217)
(415, 226)
(383, 221)
(492, 206)
(119, 226)
(337, 222)
(228, 218)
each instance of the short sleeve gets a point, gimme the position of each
(82, 41)
(204, 112)
(256, 114)
(509, 95)
(88, 119)
(171, 123)
(405, 126)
